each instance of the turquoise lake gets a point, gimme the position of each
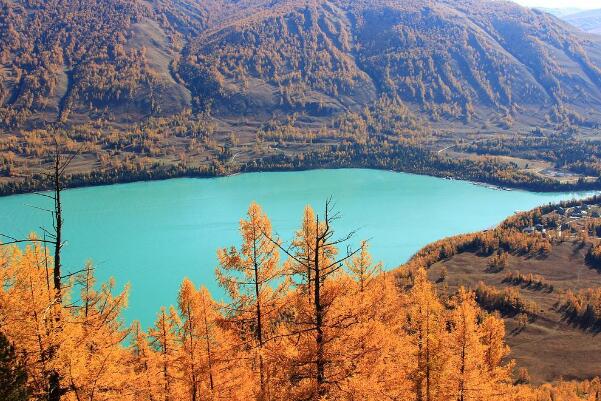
(153, 234)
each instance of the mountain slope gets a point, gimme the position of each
(544, 272)
(447, 60)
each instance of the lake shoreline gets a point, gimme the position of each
(401, 160)
(150, 176)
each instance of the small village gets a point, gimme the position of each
(565, 218)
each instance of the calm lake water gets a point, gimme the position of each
(153, 234)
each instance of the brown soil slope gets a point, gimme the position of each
(550, 345)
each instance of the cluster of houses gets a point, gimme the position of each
(571, 213)
(537, 228)
(575, 212)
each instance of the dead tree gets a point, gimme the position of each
(52, 238)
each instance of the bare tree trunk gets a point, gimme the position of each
(54, 380)
(259, 329)
(58, 225)
(208, 344)
(54, 389)
(319, 340)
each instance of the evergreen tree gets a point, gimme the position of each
(13, 376)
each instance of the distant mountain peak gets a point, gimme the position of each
(589, 20)
(560, 12)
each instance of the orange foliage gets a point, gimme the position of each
(375, 339)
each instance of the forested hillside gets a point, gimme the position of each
(448, 59)
(304, 321)
(159, 88)
(129, 59)
(540, 271)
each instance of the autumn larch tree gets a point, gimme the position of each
(189, 338)
(426, 325)
(207, 349)
(314, 253)
(362, 268)
(141, 381)
(93, 344)
(254, 280)
(303, 247)
(163, 340)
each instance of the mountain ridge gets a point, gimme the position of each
(588, 20)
